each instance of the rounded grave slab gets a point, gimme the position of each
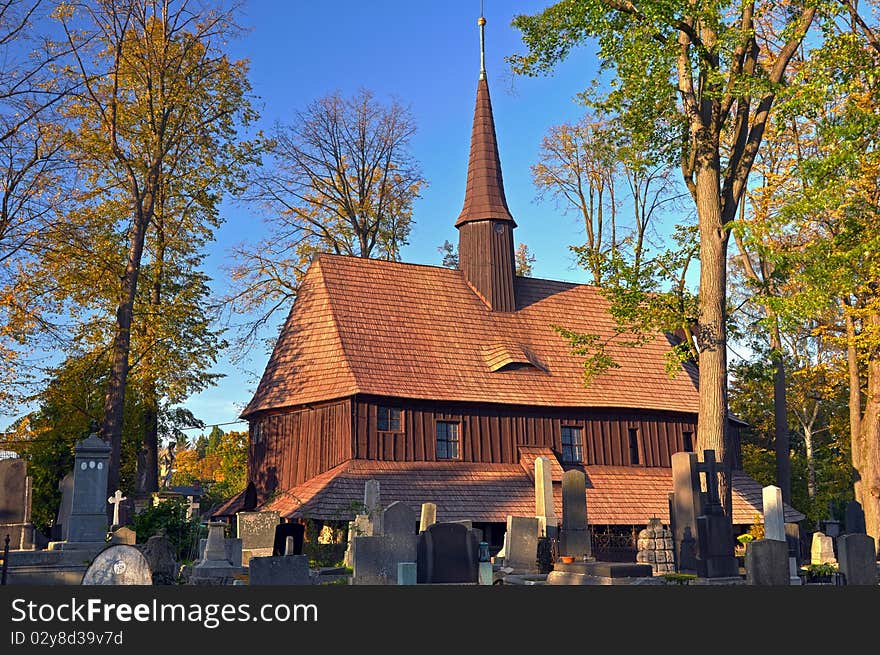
(118, 565)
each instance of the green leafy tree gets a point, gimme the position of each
(712, 72)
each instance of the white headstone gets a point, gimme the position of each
(774, 514)
(822, 550)
(544, 510)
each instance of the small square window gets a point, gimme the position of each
(388, 419)
(447, 440)
(572, 445)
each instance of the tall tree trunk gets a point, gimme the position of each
(712, 421)
(811, 461)
(780, 413)
(855, 404)
(869, 472)
(114, 401)
(148, 456)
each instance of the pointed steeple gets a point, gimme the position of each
(484, 195)
(485, 225)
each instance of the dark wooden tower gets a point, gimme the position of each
(485, 225)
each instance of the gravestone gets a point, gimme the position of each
(407, 573)
(548, 526)
(522, 544)
(283, 570)
(822, 550)
(15, 505)
(249, 500)
(118, 565)
(715, 557)
(62, 519)
(373, 506)
(285, 531)
(375, 559)
(398, 518)
(214, 568)
(257, 533)
(858, 559)
(428, 517)
(655, 547)
(449, 554)
(88, 510)
(685, 506)
(116, 500)
(767, 556)
(575, 538)
(124, 536)
(855, 518)
(160, 557)
(767, 563)
(233, 550)
(774, 513)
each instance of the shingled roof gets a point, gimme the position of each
(412, 331)
(616, 495)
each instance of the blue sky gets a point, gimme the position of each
(427, 56)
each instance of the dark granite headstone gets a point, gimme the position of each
(858, 559)
(62, 520)
(447, 553)
(575, 538)
(715, 542)
(15, 505)
(160, 557)
(684, 507)
(292, 570)
(398, 518)
(282, 532)
(375, 560)
(767, 563)
(249, 503)
(855, 518)
(88, 512)
(13, 491)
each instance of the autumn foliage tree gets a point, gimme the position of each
(158, 101)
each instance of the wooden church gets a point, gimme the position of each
(445, 385)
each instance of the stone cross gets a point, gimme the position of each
(544, 511)
(116, 500)
(191, 507)
(774, 514)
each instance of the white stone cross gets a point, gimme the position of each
(115, 500)
(192, 506)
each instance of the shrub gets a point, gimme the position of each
(169, 518)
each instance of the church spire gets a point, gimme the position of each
(485, 224)
(484, 195)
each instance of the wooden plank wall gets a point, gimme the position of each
(298, 444)
(492, 434)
